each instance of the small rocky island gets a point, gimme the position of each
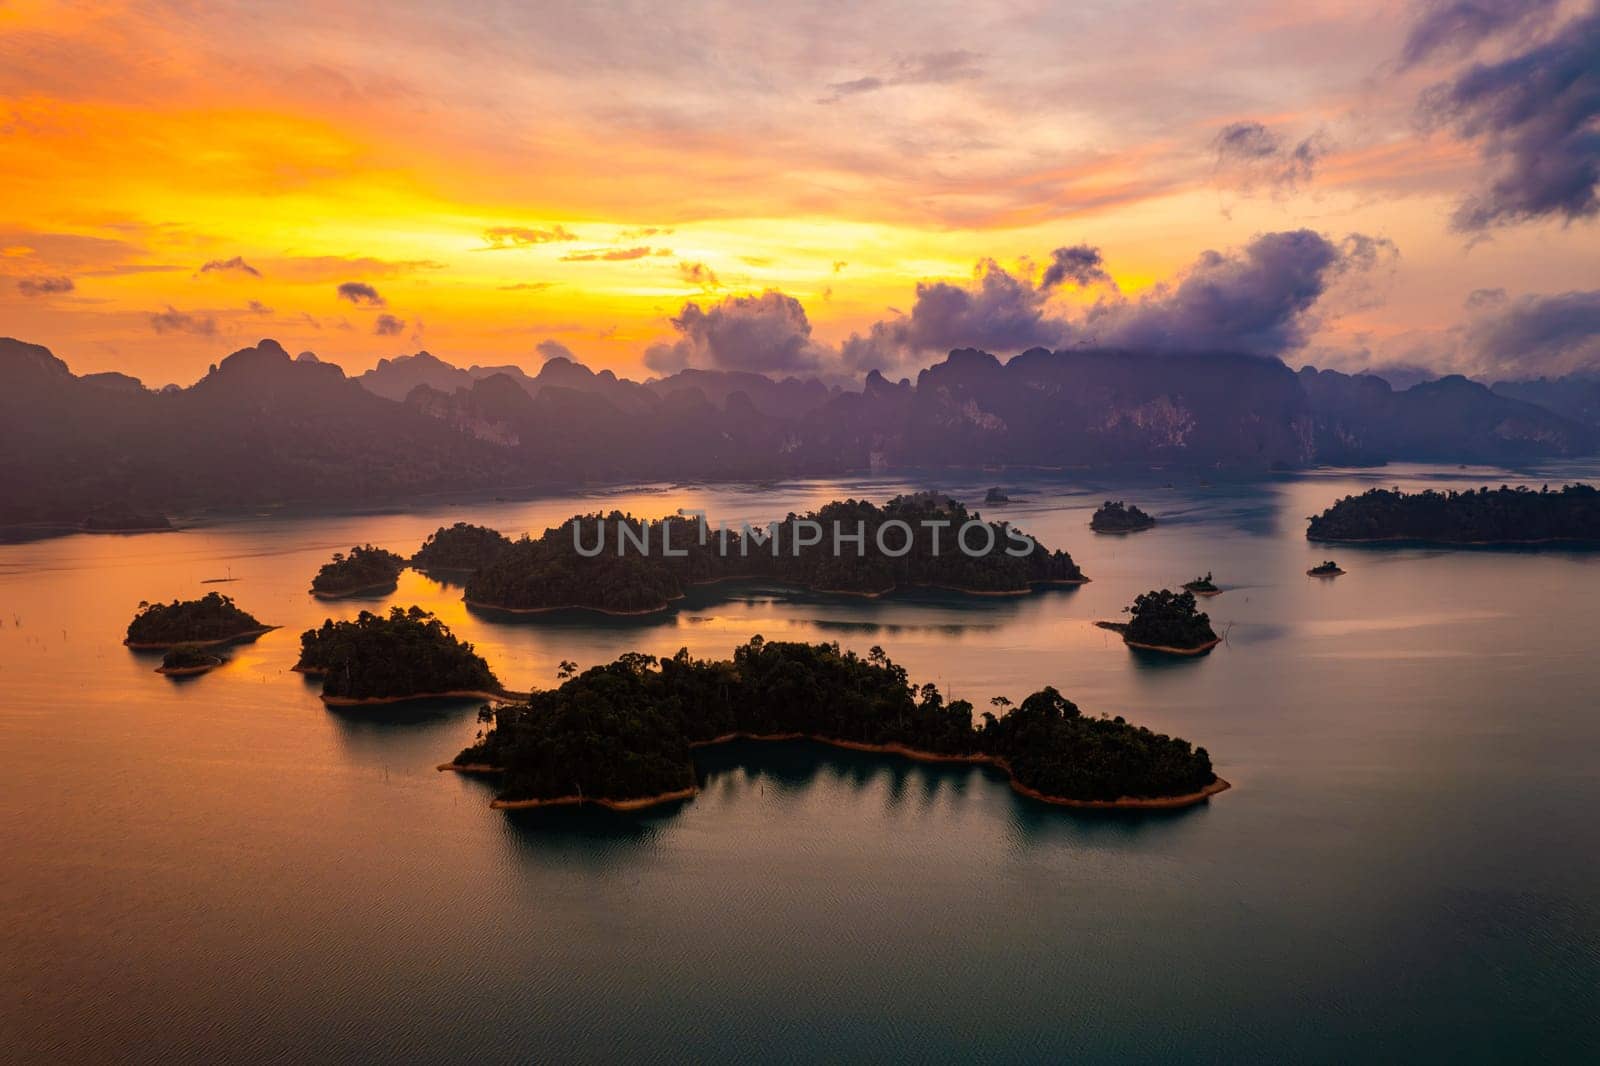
(211, 620)
(1485, 516)
(1167, 622)
(622, 735)
(995, 496)
(363, 569)
(629, 565)
(1114, 516)
(1326, 568)
(126, 521)
(189, 660)
(404, 655)
(459, 549)
(1203, 586)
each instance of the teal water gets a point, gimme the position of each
(221, 869)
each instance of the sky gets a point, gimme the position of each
(824, 188)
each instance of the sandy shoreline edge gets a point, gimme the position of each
(164, 645)
(1188, 799)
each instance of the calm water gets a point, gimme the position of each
(221, 868)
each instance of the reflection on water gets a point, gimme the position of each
(225, 868)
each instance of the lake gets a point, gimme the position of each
(220, 868)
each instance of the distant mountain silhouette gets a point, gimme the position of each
(262, 428)
(1576, 396)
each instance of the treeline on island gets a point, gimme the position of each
(879, 550)
(1115, 516)
(624, 731)
(1499, 516)
(406, 654)
(1166, 621)
(212, 619)
(362, 569)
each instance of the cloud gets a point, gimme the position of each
(387, 325)
(523, 236)
(928, 68)
(1535, 335)
(769, 332)
(1257, 300)
(361, 294)
(554, 349)
(1458, 26)
(1534, 115)
(613, 255)
(174, 321)
(1249, 155)
(527, 286)
(699, 274)
(1079, 264)
(313, 268)
(236, 263)
(256, 307)
(643, 231)
(45, 285)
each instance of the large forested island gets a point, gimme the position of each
(621, 735)
(1486, 516)
(210, 620)
(363, 569)
(404, 655)
(895, 550)
(1168, 622)
(460, 549)
(1115, 516)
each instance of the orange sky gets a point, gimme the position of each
(837, 154)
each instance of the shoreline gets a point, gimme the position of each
(164, 645)
(1425, 542)
(380, 586)
(1202, 592)
(1314, 572)
(187, 671)
(1168, 649)
(665, 606)
(1182, 800)
(452, 694)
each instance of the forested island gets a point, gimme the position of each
(995, 496)
(124, 521)
(883, 549)
(1505, 515)
(363, 569)
(187, 660)
(1202, 586)
(404, 655)
(1326, 568)
(1166, 621)
(621, 735)
(1114, 516)
(212, 619)
(460, 549)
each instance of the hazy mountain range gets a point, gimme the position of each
(262, 428)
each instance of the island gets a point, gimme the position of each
(211, 620)
(126, 521)
(403, 655)
(363, 569)
(459, 549)
(188, 660)
(622, 735)
(995, 496)
(1203, 586)
(1326, 568)
(1167, 622)
(1507, 516)
(618, 564)
(1116, 517)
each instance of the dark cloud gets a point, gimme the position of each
(613, 255)
(387, 325)
(174, 321)
(1485, 298)
(1455, 27)
(523, 236)
(361, 294)
(1257, 300)
(1250, 155)
(256, 307)
(1079, 264)
(1535, 336)
(236, 263)
(1534, 115)
(769, 332)
(45, 285)
(699, 274)
(998, 312)
(554, 349)
(928, 68)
